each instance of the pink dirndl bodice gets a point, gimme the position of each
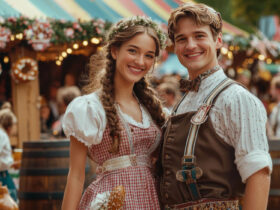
(138, 181)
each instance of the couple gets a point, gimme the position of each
(214, 147)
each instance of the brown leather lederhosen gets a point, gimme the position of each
(220, 178)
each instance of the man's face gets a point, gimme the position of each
(195, 46)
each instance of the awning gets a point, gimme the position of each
(111, 10)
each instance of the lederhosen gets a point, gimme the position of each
(198, 170)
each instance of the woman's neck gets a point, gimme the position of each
(123, 91)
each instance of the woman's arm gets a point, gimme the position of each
(257, 190)
(76, 175)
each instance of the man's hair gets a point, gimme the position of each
(200, 13)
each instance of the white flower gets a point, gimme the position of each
(100, 202)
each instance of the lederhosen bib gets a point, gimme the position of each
(197, 165)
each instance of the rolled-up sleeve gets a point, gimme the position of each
(246, 118)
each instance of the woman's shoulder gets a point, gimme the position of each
(91, 101)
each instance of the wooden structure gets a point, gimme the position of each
(26, 95)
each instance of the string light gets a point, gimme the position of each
(64, 54)
(261, 57)
(60, 58)
(69, 50)
(95, 40)
(224, 50)
(12, 38)
(6, 59)
(269, 61)
(230, 55)
(75, 46)
(85, 43)
(58, 62)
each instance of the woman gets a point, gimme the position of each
(117, 125)
(7, 122)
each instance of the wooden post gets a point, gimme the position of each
(26, 102)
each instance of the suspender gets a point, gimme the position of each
(190, 172)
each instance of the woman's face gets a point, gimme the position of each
(134, 58)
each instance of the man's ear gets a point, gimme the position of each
(219, 41)
(114, 52)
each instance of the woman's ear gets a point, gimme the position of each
(114, 52)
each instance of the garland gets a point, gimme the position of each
(41, 34)
(25, 69)
(138, 20)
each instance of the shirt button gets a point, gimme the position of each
(167, 172)
(166, 184)
(166, 195)
(169, 139)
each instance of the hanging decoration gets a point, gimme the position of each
(25, 69)
(39, 34)
(5, 34)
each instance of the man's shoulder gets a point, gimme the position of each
(236, 93)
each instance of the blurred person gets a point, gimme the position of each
(64, 97)
(169, 94)
(274, 117)
(215, 147)
(7, 127)
(52, 99)
(244, 77)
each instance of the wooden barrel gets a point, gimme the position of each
(43, 174)
(274, 194)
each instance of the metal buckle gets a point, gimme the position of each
(100, 169)
(189, 175)
(188, 160)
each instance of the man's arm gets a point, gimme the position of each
(257, 191)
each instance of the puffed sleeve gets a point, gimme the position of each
(85, 119)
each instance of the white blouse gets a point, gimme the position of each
(239, 118)
(6, 158)
(85, 119)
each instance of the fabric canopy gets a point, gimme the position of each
(111, 10)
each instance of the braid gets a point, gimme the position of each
(148, 97)
(107, 99)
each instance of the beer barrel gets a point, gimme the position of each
(274, 194)
(43, 174)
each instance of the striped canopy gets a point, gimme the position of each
(111, 10)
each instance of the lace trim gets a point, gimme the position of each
(80, 139)
(145, 118)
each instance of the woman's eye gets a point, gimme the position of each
(132, 50)
(150, 56)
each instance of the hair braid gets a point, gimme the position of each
(107, 99)
(147, 96)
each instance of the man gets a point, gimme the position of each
(215, 146)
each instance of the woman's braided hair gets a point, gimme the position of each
(123, 31)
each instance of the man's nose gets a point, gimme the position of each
(190, 44)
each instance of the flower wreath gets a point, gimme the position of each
(25, 69)
(138, 20)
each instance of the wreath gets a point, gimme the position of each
(25, 69)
